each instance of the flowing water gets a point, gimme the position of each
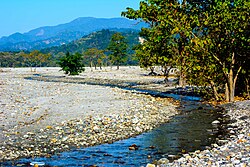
(184, 133)
(192, 130)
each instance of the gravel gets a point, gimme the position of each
(44, 118)
(40, 118)
(235, 151)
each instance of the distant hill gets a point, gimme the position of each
(98, 39)
(49, 36)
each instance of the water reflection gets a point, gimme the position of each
(187, 132)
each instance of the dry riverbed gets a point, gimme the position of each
(40, 118)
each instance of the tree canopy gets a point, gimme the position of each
(35, 58)
(207, 40)
(72, 63)
(118, 49)
(94, 57)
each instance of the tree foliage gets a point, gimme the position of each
(207, 40)
(99, 40)
(35, 58)
(118, 49)
(94, 57)
(11, 59)
(72, 63)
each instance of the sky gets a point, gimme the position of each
(25, 15)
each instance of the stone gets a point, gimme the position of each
(133, 147)
(135, 120)
(138, 129)
(64, 138)
(13, 115)
(216, 122)
(96, 129)
(163, 161)
(26, 136)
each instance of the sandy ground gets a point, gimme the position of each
(29, 105)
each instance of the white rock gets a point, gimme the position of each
(216, 122)
(135, 120)
(13, 115)
(138, 129)
(64, 138)
(96, 128)
(240, 136)
(25, 136)
(236, 161)
(150, 165)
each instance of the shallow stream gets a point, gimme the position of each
(192, 130)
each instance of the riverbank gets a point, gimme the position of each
(234, 151)
(44, 118)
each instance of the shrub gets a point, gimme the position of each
(72, 63)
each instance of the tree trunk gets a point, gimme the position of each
(247, 87)
(226, 93)
(31, 69)
(182, 80)
(91, 65)
(231, 85)
(166, 72)
(216, 94)
(231, 79)
(152, 73)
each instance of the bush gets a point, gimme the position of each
(72, 63)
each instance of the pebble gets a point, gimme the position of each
(216, 122)
(107, 128)
(233, 151)
(144, 115)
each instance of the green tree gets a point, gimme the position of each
(72, 63)
(202, 38)
(147, 59)
(118, 49)
(94, 57)
(7, 59)
(167, 34)
(224, 43)
(35, 58)
(227, 29)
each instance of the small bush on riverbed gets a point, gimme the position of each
(72, 63)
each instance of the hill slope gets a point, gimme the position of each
(48, 36)
(99, 40)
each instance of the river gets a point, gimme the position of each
(191, 130)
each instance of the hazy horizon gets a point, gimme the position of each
(25, 15)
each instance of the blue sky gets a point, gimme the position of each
(25, 15)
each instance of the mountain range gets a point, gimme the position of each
(98, 39)
(49, 36)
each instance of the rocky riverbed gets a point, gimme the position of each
(44, 118)
(234, 151)
(40, 118)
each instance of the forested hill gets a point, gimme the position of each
(99, 40)
(48, 36)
